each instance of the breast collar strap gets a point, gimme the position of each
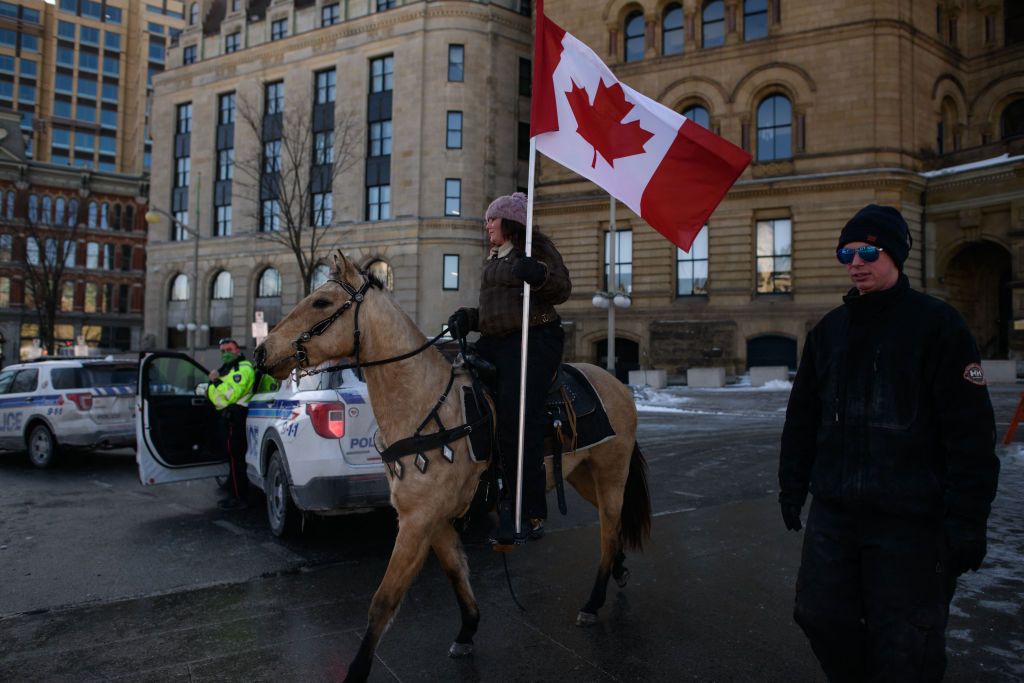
(356, 297)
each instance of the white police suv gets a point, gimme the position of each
(56, 405)
(310, 443)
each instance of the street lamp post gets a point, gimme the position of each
(614, 297)
(153, 217)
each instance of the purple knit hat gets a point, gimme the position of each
(511, 206)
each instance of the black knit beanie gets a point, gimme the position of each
(880, 226)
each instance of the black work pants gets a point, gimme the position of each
(544, 355)
(232, 435)
(873, 593)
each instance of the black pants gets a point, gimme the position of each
(873, 595)
(544, 356)
(232, 435)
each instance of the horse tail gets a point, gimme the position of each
(636, 503)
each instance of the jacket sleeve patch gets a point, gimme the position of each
(974, 374)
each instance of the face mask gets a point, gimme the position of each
(226, 357)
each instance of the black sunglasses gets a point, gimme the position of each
(868, 254)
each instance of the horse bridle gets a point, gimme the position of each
(355, 296)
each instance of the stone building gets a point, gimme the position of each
(914, 103)
(430, 99)
(78, 72)
(96, 220)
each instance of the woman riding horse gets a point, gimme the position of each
(499, 320)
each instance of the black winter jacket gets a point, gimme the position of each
(890, 413)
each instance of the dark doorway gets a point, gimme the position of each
(977, 280)
(771, 349)
(627, 356)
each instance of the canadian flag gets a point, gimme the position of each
(668, 169)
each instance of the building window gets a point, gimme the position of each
(713, 24)
(6, 243)
(323, 209)
(274, 98)
(182, 170)
(184, 118)
(232, 42)
(450, 274)
(270, 215)
(325, 86)
(272, 156)
(92, 298)
(382, 73)
(92, 255)
(1011, 123)
(456, 63)
(452, 197)
(330, 15)
(1013, 23)
(323, 153)
(672, 30)
(222, 228)
(698, 114)
(179, 288)
(227, 109)
(269, 283)
(633, 35)
(380, 138)
(188, 55)
(319, 276)
(226, 164)
(755, 19)
(223, 286)
(378, 202)
(623, 261)
(774, 129)
(193, 14)
(692, 268)
(774, 256)
(278, 29)
(67, 296)
(453, 137)
(525, 77)
(178, 231)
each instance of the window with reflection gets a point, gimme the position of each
(713, 24)
(623, 261)
(633, 35)
(179, 288)
(269, 283)
(774, 256)
(774, 129)
(698, 114)
(692, 268)
(319, 276)
(672, 30)
(450, 275)
(223, 286)
(755, 19)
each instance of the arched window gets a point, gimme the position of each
(755, 19)
(33, 208)
(381, 270)
(117, 217)
(104, 213)
(32, 251)
(774, 129)
(72, 213)
(193, 14)
(223, 286)
(179, 288)
(712, 24)
(59, 208)
(47, 216)
(128, 218)
(698, 114)
(10, 205)
(94, 215)
(946, 134)
(634, 37)
(320, 275)
(1011, 123)
(269, 284)
(672, 30)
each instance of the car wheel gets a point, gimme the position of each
(284, 518)
(42, 447)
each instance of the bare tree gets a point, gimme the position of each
(301, 152)
(50, 249)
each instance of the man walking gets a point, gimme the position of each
(231, 387)
(890, 427)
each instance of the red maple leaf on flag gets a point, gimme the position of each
(601, 125)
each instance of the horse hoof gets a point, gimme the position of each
(623, 578)
(586, 619)
(460, 650)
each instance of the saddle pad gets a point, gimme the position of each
(592, 425)
(480, 440)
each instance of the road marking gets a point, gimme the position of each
(102, 484)
(687, 493)
(224, 524)
(672, 512)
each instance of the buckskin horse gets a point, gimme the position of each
(354, 316)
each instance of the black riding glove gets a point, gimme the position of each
(530, 271)
(967, 545)
(458, 324)
(791, 516)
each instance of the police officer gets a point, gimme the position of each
(890, 427)
(231, 387)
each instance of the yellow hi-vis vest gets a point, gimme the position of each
(233, 388)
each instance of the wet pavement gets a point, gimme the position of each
(709, 599)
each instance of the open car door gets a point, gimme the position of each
(176, 427)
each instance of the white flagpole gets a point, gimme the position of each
(525, 341)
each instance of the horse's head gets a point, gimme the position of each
(320, 327)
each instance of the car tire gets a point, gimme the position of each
(284, 518)
(41, 446)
